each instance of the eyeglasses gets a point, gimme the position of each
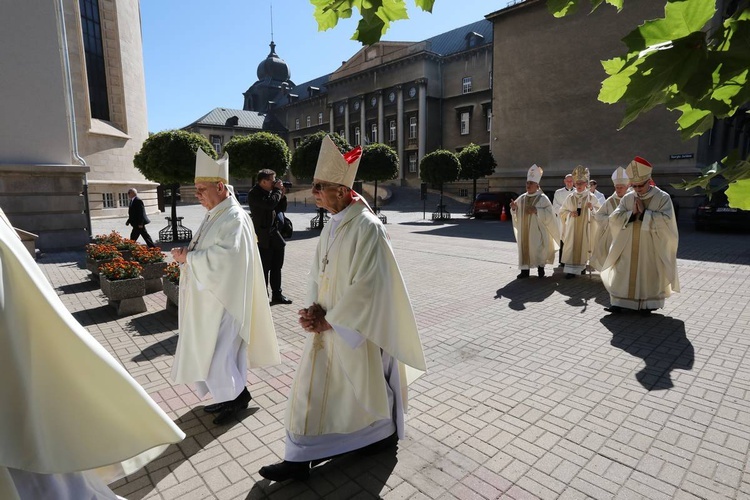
(640, 185)
(320, 186)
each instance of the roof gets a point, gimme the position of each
(219, 117)
(320, 82)
(454, 41)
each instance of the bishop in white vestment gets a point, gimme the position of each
(535, 226)
(603, 237)
(641, 268)
(579, 225)
(557, 201)
(73, 420)
(363, 347)
(225, 319)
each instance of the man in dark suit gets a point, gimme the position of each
(266, 199)
(138, 218)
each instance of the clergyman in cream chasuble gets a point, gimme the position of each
(73, 419)
(223, 299)
(603, 237)
(537, 235)
(641, 268)
(578, 232)
(339, 387)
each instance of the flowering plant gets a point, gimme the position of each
(120, 269)
(172, 272)
(146, 255)
(101, 251)
(126, 244)
(113, 238)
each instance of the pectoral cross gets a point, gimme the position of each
(325, 263)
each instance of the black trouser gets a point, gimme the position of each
(141, 231)
(273, 260)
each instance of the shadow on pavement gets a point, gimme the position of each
(156, 322)
(85, 286)
(95, 316)
(659, 340)
(520, 292)
(166, 347)
(581, 290)
(348, 476)
(467, 228)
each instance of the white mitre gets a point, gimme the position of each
(209, 170)
(535, 173)
(620, 177)
(334, 167)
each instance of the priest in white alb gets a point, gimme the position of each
(579, 226)
(362, 348)
(557, 201)
(535, 226)
(603, 236)
(641, 268)
(225, 320)
(73, 420)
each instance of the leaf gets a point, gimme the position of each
(738, 194)
(693, 122)
(425, 5)
(562, 8)
(681, 18)
(614, 87)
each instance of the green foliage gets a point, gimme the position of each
(376, 15)
(717, 176)
(379, 163)
(168, 157)
(305, 157)
(476, 162)
(250, 153)
(439, 167)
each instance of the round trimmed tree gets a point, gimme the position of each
(439, 167)
(476, 162)
(379, 163)
(305, 157)
(249, 154)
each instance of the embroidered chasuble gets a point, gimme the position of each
(603, 236)
(578, 231)
(557, 202)
(223, 275)
(641, 268)
(537, 234)
(354, 276)
(69, 408)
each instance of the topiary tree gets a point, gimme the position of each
(305, 158)
(476, 162)
(251, 153)
(439, 167)
(168, 158)
(379, 163)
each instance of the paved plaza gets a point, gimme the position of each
(533, 390)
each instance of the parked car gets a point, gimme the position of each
(491, 204)
(717, 214)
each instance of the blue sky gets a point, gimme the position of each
(203, 54)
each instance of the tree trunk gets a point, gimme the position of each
(174, 211)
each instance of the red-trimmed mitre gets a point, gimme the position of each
(353, 155)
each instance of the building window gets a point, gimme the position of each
(465, 123)
(356, 136)
(463, 192)
(466, 85)
(296, 124)
(108, 200)
(413, 127)
(489, 120)
(374, 132)
(413, 163)
(392, 131)
(95, 63)
(320, 118)
(308, 122)
(124, 199)
(216, 143)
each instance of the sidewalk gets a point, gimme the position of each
(533, 390)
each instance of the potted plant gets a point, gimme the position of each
(171, 285)
(98, 254)
(123, 285)
(153, 264)
(126, 246)
(113, 238)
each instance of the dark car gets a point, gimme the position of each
(168, 195)
(717, 214)
(491, 204)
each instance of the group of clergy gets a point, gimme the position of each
(631, 238)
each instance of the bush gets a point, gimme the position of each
(172, 272)
(101, 251)
(145, 255)
(120, 269)
(113, 238)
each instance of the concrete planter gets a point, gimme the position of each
(153, 273)
(93, 266)
(125, 295)
(172, 291)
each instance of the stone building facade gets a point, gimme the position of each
(72, 115)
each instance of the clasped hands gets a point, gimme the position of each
(588, 205)
(313, 319)
(638, 207)
(179, 254)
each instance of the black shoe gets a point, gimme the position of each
(379, 446)
(230, 409)
(645, 312)
(614, 309)
(280, 299)
(569, 276)
(214, 408)
(524, 274)
(286, 470)
(583, 272)
(540, 270)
